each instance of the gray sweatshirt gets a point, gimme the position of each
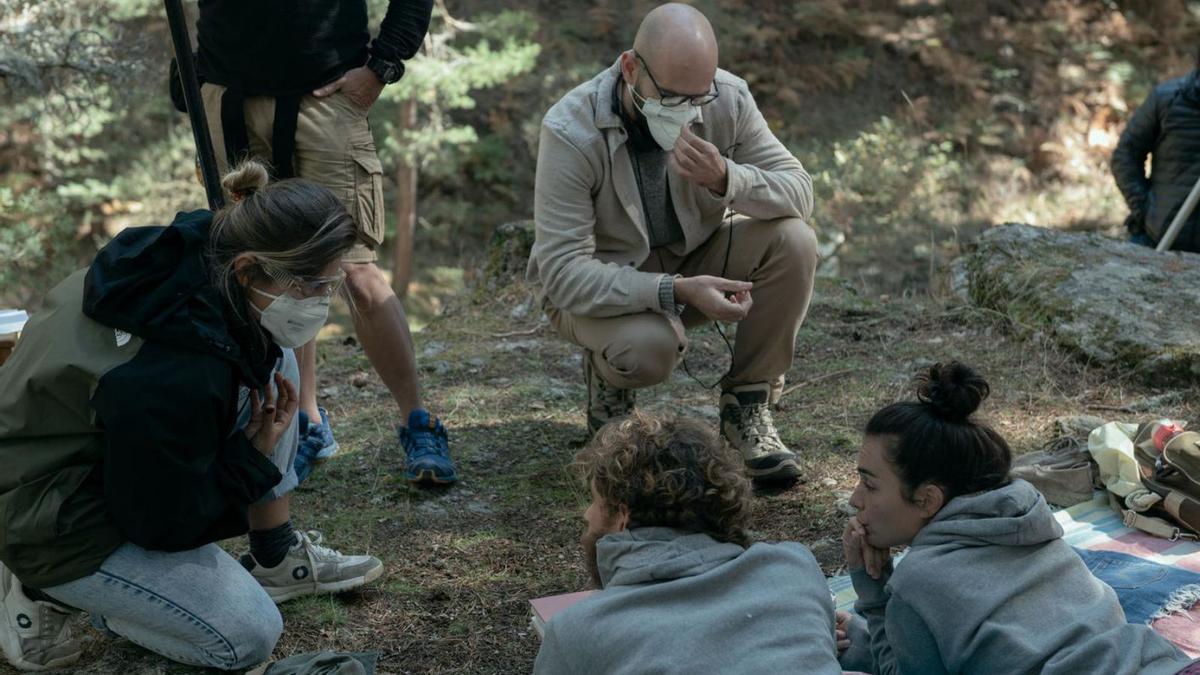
(989, 586)
(675, 602)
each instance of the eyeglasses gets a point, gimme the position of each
(671, 99)
(308, 287)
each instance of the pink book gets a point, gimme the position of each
(543, 609)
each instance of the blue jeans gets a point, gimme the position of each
(1145, 589)
(198, 607)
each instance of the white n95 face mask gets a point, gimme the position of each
(666, 124)
(292, 322)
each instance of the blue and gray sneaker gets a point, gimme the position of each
(316, 444)
(321, 436)
(305, 453)
(427, 448)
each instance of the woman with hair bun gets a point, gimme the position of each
(149, 411)
(988, 585)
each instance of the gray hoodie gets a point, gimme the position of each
(989, 586)
(675, 602)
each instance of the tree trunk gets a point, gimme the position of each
(406, 210)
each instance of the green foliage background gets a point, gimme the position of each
(922, 122)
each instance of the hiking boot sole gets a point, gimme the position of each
(429, 477)
(281, 595)
(774, 469)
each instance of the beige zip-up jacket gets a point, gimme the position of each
(590, 236)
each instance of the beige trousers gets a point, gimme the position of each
(334, 148)
(640, 350)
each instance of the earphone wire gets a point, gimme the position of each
(717, 324)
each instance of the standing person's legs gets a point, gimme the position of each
(335, 148)
(198, 607)
(382, 326)
(306, 355)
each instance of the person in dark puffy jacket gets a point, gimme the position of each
(1167, 128)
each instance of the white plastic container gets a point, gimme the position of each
(12, 321)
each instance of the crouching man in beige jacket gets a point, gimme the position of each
(636, 169)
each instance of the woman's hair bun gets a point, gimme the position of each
(953, 391)
(245, 179)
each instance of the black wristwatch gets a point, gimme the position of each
(387, 71)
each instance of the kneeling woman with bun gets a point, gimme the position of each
(149, 411)
(988, 585)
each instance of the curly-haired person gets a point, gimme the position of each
(682, 588)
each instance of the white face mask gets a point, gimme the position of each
(665, 123)
(292, 322)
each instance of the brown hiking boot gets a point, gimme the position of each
(605, 402)
(746, 424)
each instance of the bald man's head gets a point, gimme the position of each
(678, 45)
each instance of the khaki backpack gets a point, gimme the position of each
(1168, 460)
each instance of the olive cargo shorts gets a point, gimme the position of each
(334, 148)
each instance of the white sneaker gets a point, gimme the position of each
(34, 634)
(310, 568)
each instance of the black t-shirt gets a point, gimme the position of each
(283, 47)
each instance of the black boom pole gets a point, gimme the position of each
(195, 106)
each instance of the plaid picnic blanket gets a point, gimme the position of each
(1094, 526)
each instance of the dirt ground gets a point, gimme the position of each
(462, 563)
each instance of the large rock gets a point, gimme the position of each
(1109, 301)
